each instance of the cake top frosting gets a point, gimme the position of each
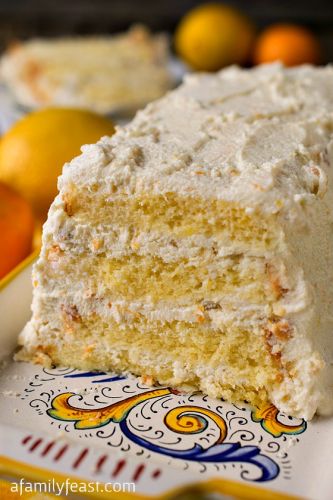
(258, 136)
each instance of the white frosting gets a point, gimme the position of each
(261, 138)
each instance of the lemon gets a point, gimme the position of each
(16, 229)
(34, 150)
(214, 35)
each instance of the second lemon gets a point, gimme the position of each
(214, 35)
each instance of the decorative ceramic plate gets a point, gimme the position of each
(101, 427)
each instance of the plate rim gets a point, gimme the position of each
(13, 273)
(9, 466)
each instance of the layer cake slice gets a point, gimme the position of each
(194, 247)
(108, 74)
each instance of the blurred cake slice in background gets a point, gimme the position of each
(195, 245)
(118, 73)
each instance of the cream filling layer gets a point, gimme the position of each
(116, 241)
(122, 311)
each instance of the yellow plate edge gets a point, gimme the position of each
(224, 486)
(18, 269)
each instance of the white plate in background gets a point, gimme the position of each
(11, 111)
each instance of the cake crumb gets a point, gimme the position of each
(147, 380)
(11, 394)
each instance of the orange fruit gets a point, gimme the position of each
(34, 150)
(16, 229)
(214, 35)
(288, 43)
